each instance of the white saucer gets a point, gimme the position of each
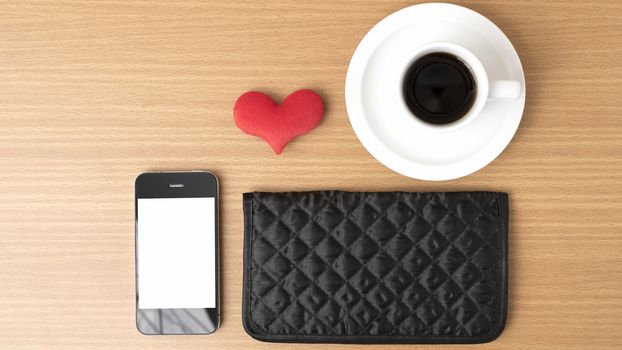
(387, 130)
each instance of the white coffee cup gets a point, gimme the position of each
(486, 90)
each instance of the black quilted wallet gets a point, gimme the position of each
(375, 267)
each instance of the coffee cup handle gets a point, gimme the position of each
(504, 90)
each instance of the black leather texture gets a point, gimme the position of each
(375, 267)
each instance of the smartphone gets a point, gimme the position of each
(177, 253)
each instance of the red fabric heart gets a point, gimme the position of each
(258, 114)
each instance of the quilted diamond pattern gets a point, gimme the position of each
(332, 266)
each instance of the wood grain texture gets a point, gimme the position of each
(92, 93)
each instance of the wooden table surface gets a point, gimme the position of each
(92, 93)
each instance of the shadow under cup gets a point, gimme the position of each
(439, 88)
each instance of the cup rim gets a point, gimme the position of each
(477, 70)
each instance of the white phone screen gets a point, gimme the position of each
(176, 253)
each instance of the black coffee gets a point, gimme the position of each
(439, 88)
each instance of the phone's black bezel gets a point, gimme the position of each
(195, 184)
